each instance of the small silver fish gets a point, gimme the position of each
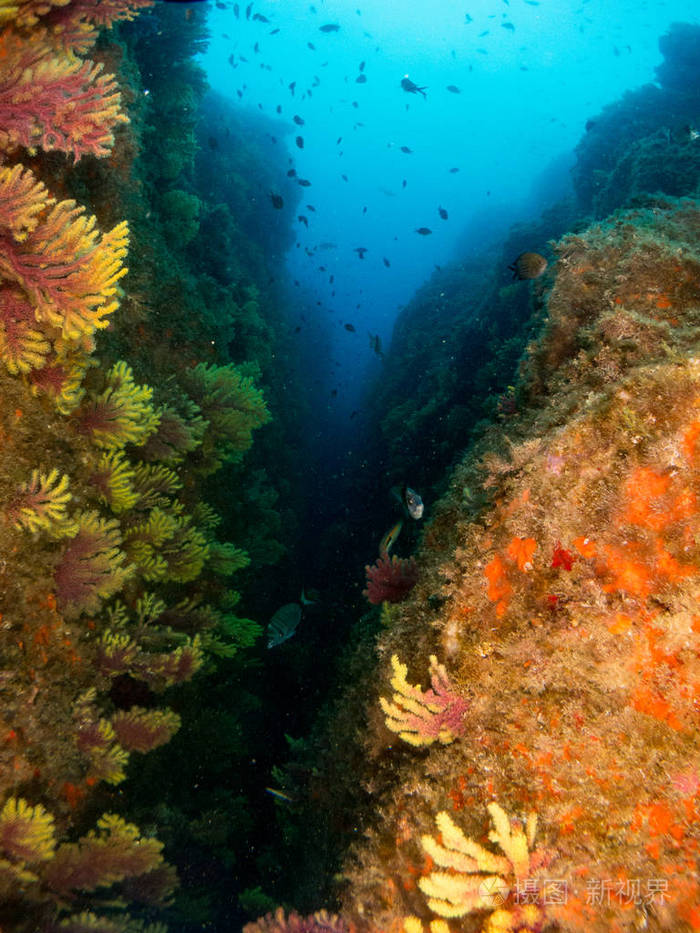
(283, 624)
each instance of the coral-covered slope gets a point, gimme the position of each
(566, 613)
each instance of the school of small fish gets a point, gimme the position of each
(409, 93)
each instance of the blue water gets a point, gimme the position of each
(529, 74)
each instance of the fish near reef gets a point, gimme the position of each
(277, 201)
(528, 266)
(424, 231)
(283, 624)
(389, 539)
(409, 500)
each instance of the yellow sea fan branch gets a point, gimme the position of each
(478, 878)
(122, 414)
(421, 717)
(113, 478)
(53, 252)
(24, 198)
(41, 505)
(26, 833)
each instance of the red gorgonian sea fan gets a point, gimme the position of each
(390, 580)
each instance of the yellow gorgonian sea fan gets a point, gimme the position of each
(41, 505)
(54, 253)
(122, 414)
(26, 833)
(23, 198)
(476, 878)
(113, 478)
(115, 852)
(23, 345)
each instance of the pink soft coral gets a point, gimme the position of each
(390, 580)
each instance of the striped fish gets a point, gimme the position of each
(283, 624)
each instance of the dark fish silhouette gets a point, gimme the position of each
(303, 220)
(310, 207)
(311, 46)
(360, 250)
(442, 212)
(260, 18)
(298, 120)
(277, 201)
(424, 231)
(362, 66)
(361, 79)
(453, 170)
(453, 89)
(330, 27)
(283, 624)
(406, 150)
(305, 183)
(300, 142)
(386, 262)
(412, 88)
(292, 86)
(248, 10)
(350, 327)
(291, 173)
(404, 183)
(508, 26)
(528, 266)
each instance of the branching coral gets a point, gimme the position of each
(97, 740)
(122, 414)
(477, 878)
(279, 922)
(104, 857)
(390, 580)
(178, 434)
(26, 833)
(225, 558)
(154, 484)
(54, 253)
(140, 730)
(73, 26)
(119, 654)
(232, 406)
(41, 505)
(61, 379)
(113, 478)
(55, 101)
(423, 717)
(23, 346)
(92, 567)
